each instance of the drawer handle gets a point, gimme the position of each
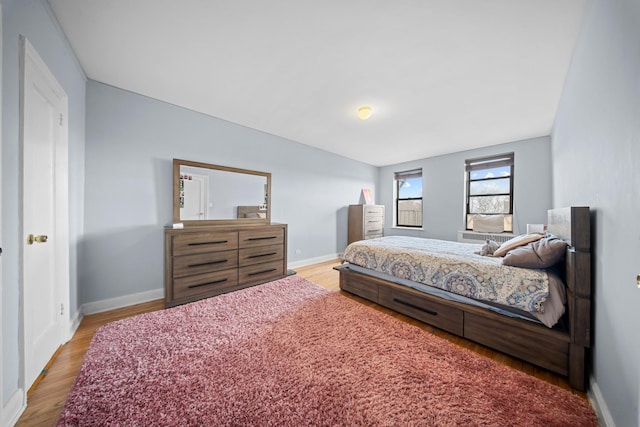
(262, 272)
(408, 304)
(215, 282)
(208, 263)
(261, 255)
(263, 238)
(208, 243)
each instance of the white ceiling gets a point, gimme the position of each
(441, 75)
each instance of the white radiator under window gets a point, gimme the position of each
(481, 238)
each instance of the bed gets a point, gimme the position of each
(541, 316)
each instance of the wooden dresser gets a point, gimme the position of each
(203, 261)
(365, 222)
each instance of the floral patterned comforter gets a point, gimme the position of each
(454, 267)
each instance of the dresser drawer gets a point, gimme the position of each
(195, 243)
(374, 211)
(374, 234)
(204, 261)
(373, 229)
(260, 254)
(205, 283)
(267, 236)
(188, 265)
(372, 221)
(373, 224)
(261, 272)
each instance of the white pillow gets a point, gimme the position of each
(488, 223)
(515, 242)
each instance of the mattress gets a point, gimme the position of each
(454, 271)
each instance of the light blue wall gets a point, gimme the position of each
(596, 158)
(131, 141)
(443, 189)
(33, 19)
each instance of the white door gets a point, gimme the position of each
(45, 213)
(195, 203)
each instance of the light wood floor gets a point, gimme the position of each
(46, 398)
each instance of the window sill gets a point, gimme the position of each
(396, 227)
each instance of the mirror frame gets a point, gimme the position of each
(176, 195)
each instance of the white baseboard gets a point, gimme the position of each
(14, 408)
(309, 261)
(124, 301)
(127, 300)
(599, 404)
(74, 323)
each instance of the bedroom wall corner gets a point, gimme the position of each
(595, 150)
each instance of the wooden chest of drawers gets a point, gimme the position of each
(365, 222)
(203, 261)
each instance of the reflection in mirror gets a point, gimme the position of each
(206, 193)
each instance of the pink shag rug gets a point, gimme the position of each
(289, 353)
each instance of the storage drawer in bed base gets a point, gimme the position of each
(533, 343)
(517, 339)
(359, 285)
(422, 308)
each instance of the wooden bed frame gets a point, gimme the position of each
(562, 349)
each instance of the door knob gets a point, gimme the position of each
(40, 238)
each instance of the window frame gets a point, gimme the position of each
(397, 178)
(483, 163)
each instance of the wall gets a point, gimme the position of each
(596, 150)
(34, 19)
(443, 188)
(131, 142)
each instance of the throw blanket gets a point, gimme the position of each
(454, 267)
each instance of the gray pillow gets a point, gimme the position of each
(542, 253)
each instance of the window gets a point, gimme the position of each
(490, 188)
(408, 198)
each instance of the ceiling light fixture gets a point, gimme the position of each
(364, 112)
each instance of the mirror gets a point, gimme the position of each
(211, 194)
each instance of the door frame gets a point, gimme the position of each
(204, 193)
(61, 209)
